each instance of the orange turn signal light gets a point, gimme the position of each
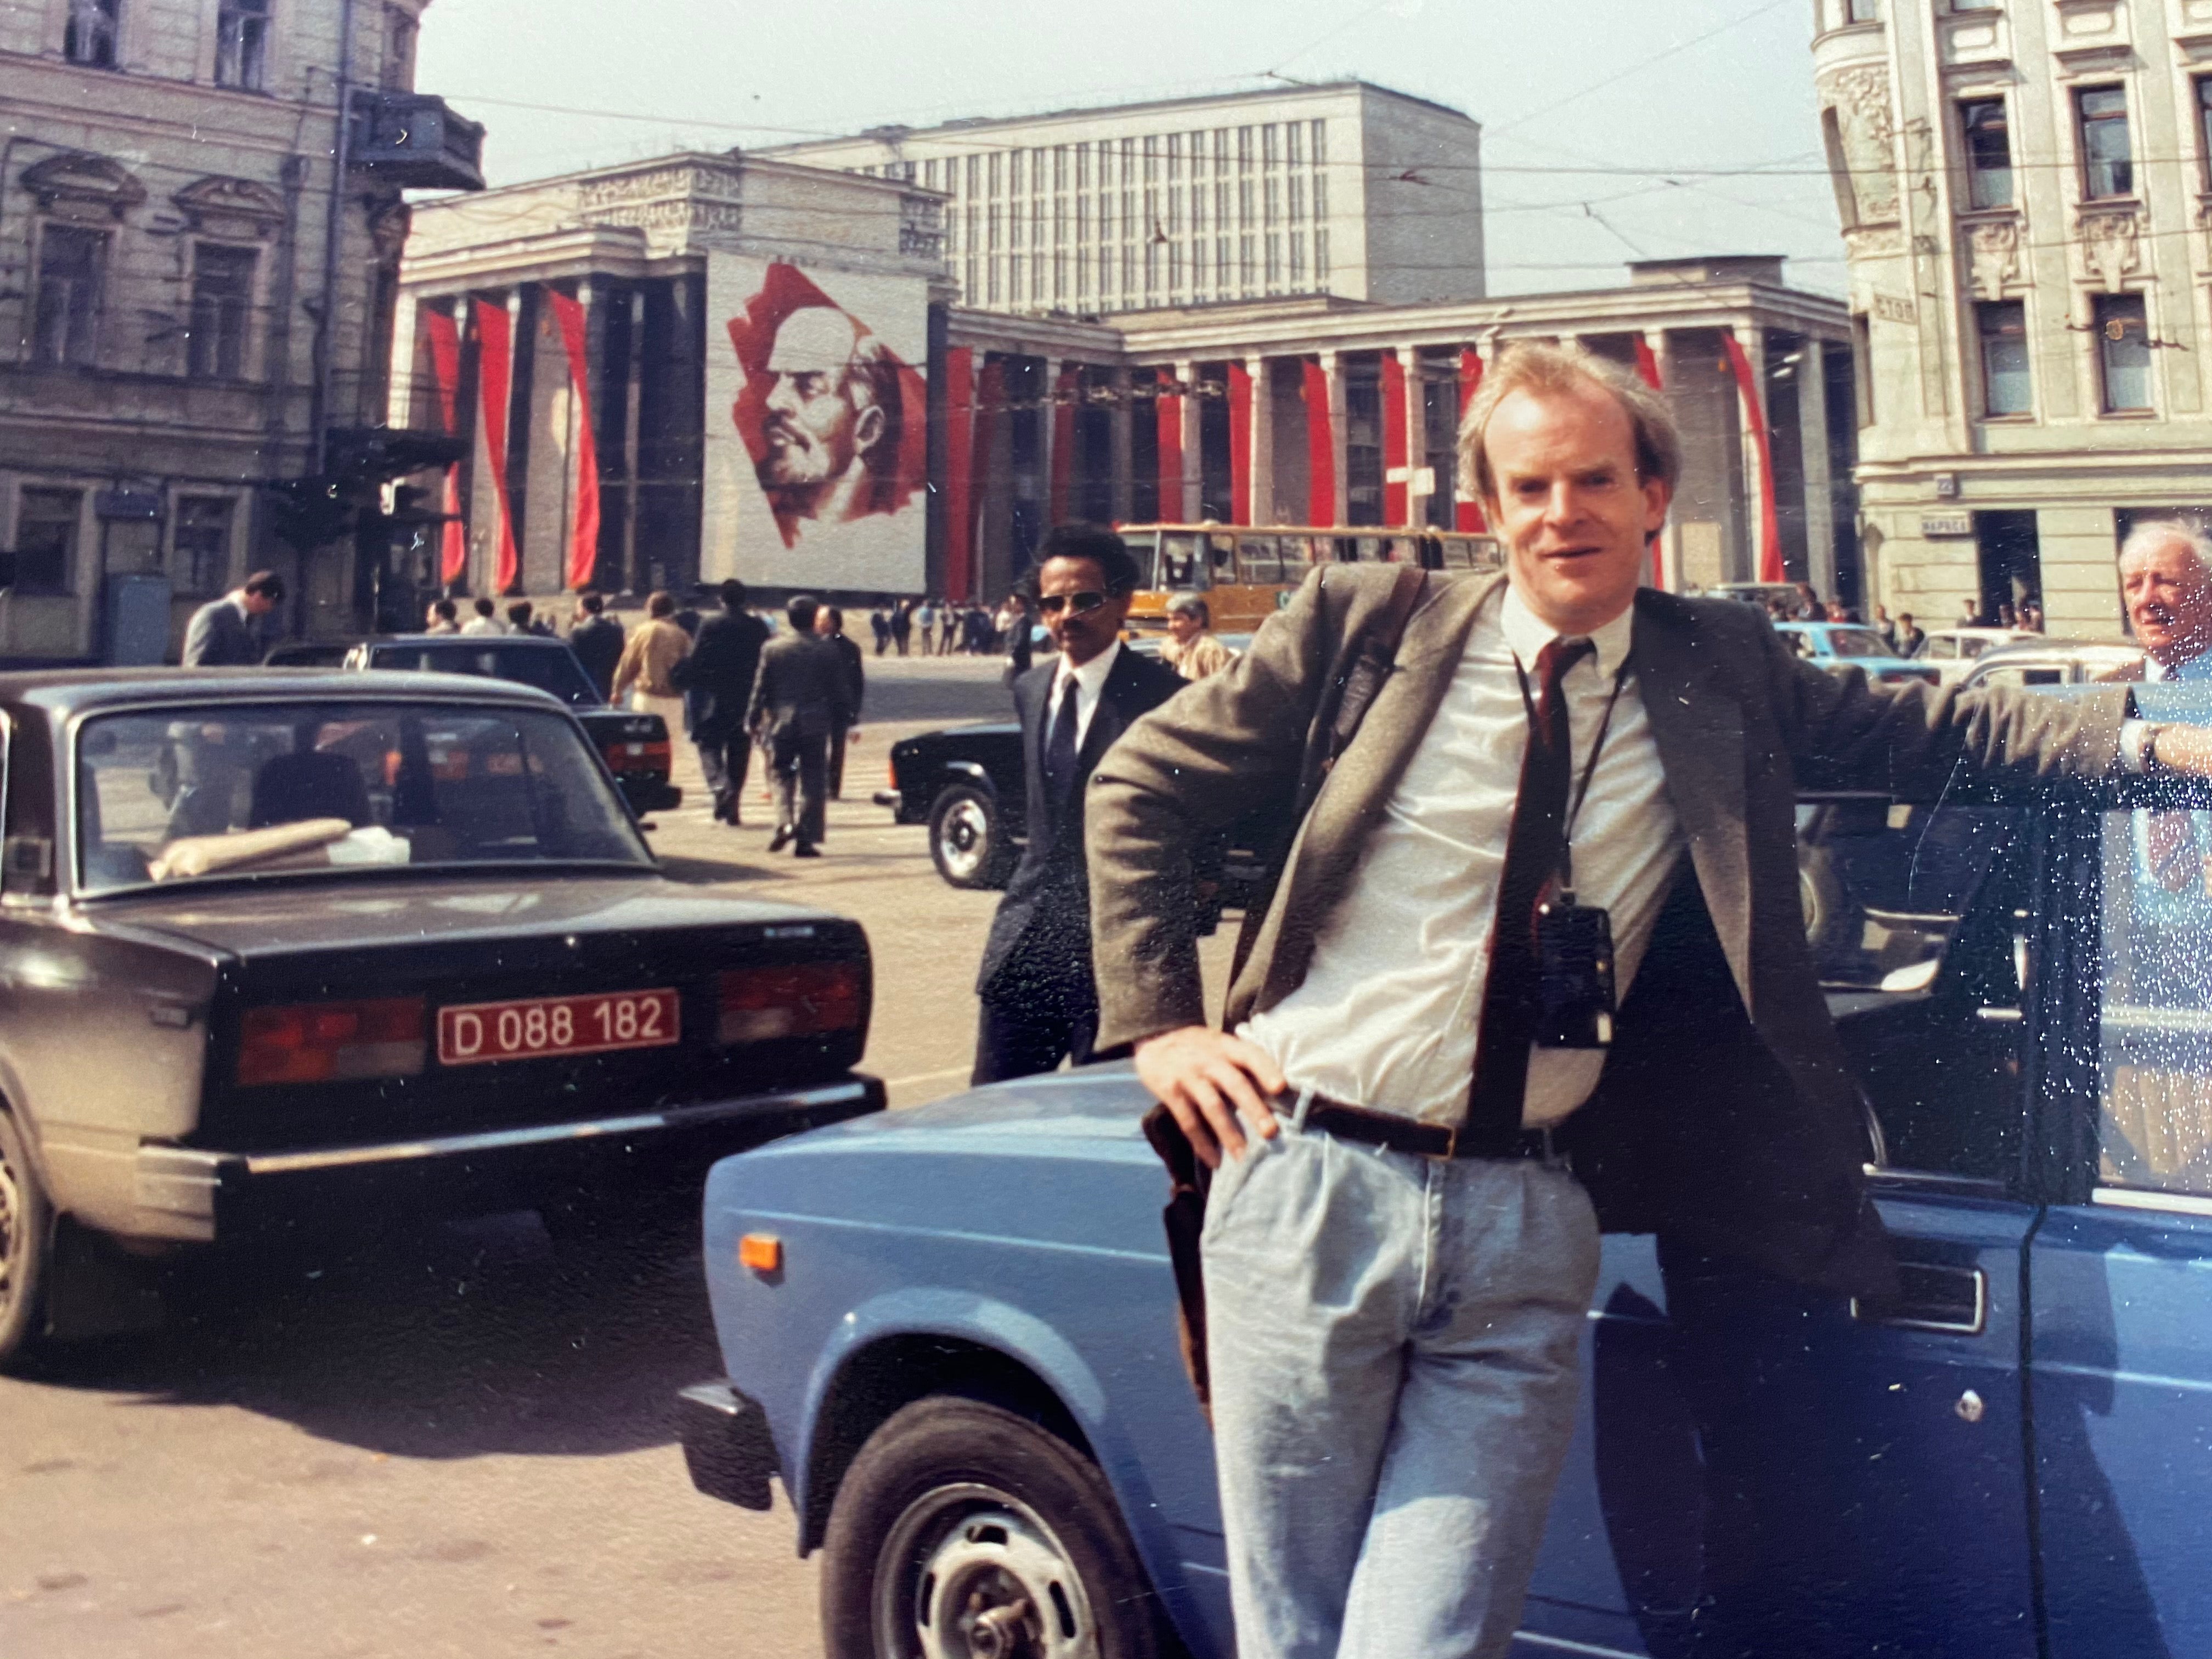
(762, 1252)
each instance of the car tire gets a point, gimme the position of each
(967, 838)
(26, 1237)
(964, 1528)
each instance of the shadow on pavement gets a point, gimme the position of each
(679, 868)
(465, 1339)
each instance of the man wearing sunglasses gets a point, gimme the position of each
(1040, 1003)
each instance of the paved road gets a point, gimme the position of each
(459, 1443)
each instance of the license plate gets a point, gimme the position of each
(531, 1028)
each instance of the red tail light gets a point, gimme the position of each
(638, 757)
(800, 999)
(324, 1042)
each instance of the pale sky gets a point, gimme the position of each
(1613, 129)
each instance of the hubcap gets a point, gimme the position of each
(968, 1573)
(11, 1213)
(965, 837)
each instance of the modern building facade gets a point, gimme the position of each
(202, 262)
(2022, 186)
(1343, 189)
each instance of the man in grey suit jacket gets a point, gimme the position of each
(801, 697)
(222, 634)
(1432, 1099)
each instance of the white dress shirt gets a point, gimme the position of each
(1090, 682)
(1387, 1016)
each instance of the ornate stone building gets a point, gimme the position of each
(198, 270)
(2022, 186)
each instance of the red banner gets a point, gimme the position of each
(445, 365)
(1321, 449)
(990, 400)
(1467, 513)
(1395, 507)
(1770, 529)
(959, 459)
(1065, 391)
(584, 531)
(1167, 410)
(495, 372)
(1240, 443)
(1647, 366)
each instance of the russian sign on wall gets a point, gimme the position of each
(815, 473)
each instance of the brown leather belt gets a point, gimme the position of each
(1405, 1134)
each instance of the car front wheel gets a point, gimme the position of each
(27, 1230)
(967, 838)
(964, 1531)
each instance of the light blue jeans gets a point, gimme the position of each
(1393, 1341)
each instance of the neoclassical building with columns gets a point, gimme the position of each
(709, 366)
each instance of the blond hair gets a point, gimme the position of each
(1564, 371)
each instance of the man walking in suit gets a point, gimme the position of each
(1040, 1005)
(717, 682)
(1430, 1098)
(226, 632)
(800, 699)
(829, 624)
(596, 639)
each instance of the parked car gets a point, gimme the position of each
(1758, 593)
(1838, 646)
(965, 783)
(276, 942)
(636, 746)
(1953, 651)
(949, 1332)
(2056, 662)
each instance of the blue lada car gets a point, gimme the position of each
(950, 1332)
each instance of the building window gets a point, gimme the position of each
(222, 301)
(1975, 5)
(45, 540)
(65, 318)
(203, 561)
(2204, 127)
(1989, 153)
(399, 33)
(2107, 162)
(1320, 144)
(1863, 11)
(2123, 352)
(2007, 387)
(241, 45)
(89, 39)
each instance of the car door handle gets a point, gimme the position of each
(1931, 1296)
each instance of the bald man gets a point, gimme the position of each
(832, 418)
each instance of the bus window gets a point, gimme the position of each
(1179, 561)
(1221, 555)
(1259, 559)
(1373, 549)
(1458, 555)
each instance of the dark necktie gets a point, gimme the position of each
(1059, 753)
(1532, 857)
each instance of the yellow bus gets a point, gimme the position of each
(1246, 573)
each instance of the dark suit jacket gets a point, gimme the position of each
(597, 643)
(1043, 923)
(1726, 1116)
(717, 678)
(801, 687)
(856, 673)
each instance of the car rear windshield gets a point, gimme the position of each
(1857, 642)
(550, 667)
(199, 793)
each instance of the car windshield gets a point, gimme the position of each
(550, 667)
(196, 794)
(1857, 642)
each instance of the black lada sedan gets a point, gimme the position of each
(277, 944)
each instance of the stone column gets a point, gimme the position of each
(1262, 458)
(1670, 536)
(1813, 448)
(1123, 412)
(1191, 467)
(1049, 435)
(1753, 339)
(1417, 437)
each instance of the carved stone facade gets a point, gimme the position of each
(1858, 100)
(2111, 247)
(1993, 247)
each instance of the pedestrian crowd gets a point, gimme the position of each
(944, 628)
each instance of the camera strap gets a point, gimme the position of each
(1566, 871)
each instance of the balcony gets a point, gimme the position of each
(413, 140)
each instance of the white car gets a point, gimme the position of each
(1953, 651)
